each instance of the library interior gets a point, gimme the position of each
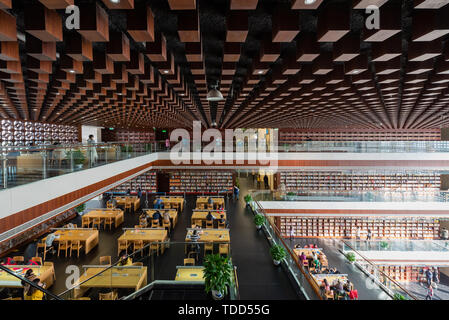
(222, 150)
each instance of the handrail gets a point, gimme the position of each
(48, 293)
(380, 271)
(155, 282)
(236, 283)
(292, 254)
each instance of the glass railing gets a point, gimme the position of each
(159, 265)
(365, 146)
(398, 245)
(25, 164)
(352, 196)
(295, 269)
(394, 289)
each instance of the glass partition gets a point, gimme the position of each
(390, 286)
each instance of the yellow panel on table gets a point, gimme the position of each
(200, 215)
(202, 202)
(195, 274)
(172, 203)
(45, 273)
(122, 201)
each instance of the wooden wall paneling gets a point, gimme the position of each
(237, 26)
(189, 26)
(102, 63)
(334, 22)
(157, 51)
(430, 24)
(118, 48)
(79, 48)
(94, 27)
(119, 5)
(389, 23)
(285, 24)
(45, 51)
(244, 4)
(9, 51)
(182, 4)
(57, 4)
(8, 28)
(140, 24)
(136, 65)
(43, 23)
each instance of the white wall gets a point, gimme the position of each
(86, 131)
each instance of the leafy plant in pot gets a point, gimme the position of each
(351, 257)
(398, 296)
(384, 245)
(248, 198)
(80, 208)
(78, 158)
(278, 253)
(217, 275)
(290, 195)
(259, 220)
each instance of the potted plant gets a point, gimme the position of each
(248, 198)
(127, 149)
(290, 195)
(351, 257)
(80, 208)
(217, 275)
(278, 253)
(384, 245)
(78, 158)
(259, 220)
(398, 296)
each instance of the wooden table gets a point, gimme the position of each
(122, 201)
(331, 279)
(87, 237)
(172, 203)
(130, 277)
(209, 235)
(147, 235)
(195, 274)
(200, 215)
(45, 273)
(172, 212)
(309, 254)
(202, 202)
(103, 214)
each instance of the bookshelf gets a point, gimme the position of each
(201, 182)
(358, 181)
(147, 182)
(405, 273)
(315, 227)
(293, 136)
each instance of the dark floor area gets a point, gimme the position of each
(257, 277)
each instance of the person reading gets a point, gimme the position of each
(125, 260)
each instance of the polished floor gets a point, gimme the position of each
(257, 277)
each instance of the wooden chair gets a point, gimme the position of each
(329, 295)
(155, 223)
(108, 222)
(77, 246)
(208, 247)
(96, 222)
(155, 246)
(128, 206)
(166, 225)
(189, 262)
(110, 205)
(224, 249)
(64, 246)
(122, 245)
(40, 245)
(138, 264)
(305, 263)
(108, 296)
(221, 225)
(105, 260)
(210, 224)
(38, 260)
(19, 260)
(198, 223)
(85, 222)
(50, 264)
(138, 245)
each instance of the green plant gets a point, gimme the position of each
(350, 256)
(248, 198)
(259, 220)
(291, 194)
(127, 148)
(384, 245)
(398, 296)
(278, 253)
(237, 183)
(217, 273)
(78, 156)
(80, 208)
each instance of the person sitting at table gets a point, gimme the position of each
(297, 246)
(347, 286)
(125, 260)
(70, 226)
(210, 217)
(157, 216)
(210, 202)
(302, 257)
(34, 294)
(128, 192)
(306, 246)
(33, 263)
(9, 262)
(316, 264)
(158, 204)
(143, 220)
(327, 288)
(325, 271)
(339, 290)
(30, 276)
(166, 216)
(49, 242)
(222, 219)
(353, 295)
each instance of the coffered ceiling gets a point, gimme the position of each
(279, 63)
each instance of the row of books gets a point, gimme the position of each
(405, 273)
(201, 182)
(146, 182)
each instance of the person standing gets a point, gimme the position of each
(236, 192)
(429, 295)
(265, 180)
(357, 233)
(167, 143)
(92, 151)
(435, 278)
(368, 235)
(429, 277)
(292, 233)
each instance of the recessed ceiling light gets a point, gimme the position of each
(165, 71)
(309, 1)
(115, 1)
(72, 71)
(260, 72)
